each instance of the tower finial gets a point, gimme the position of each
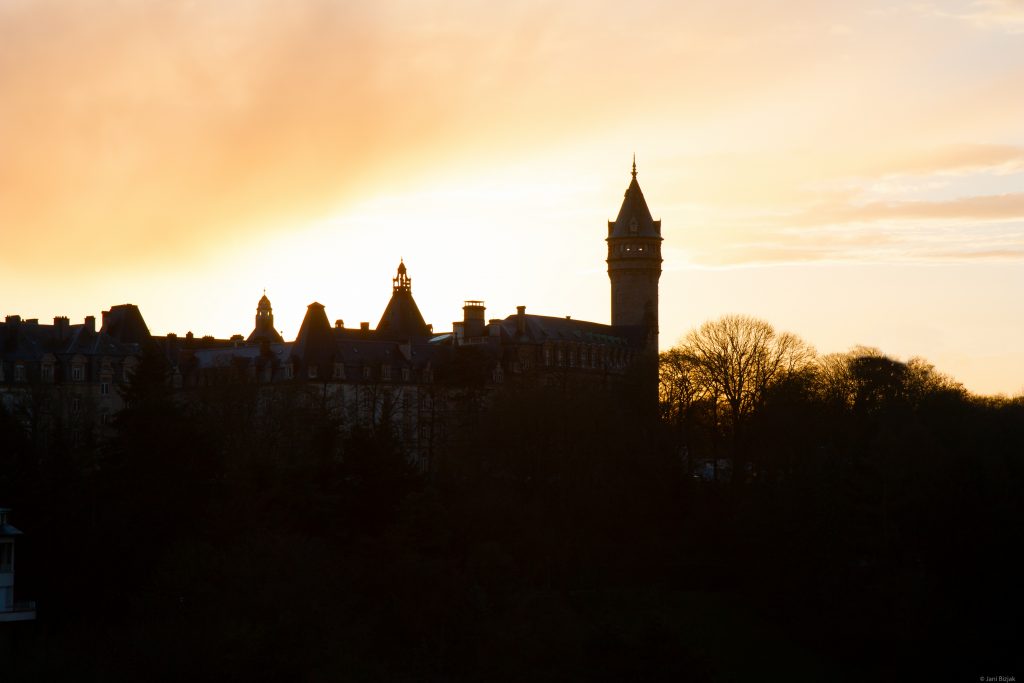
(402, 282)
(634, 165)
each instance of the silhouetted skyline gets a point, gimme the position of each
(851, 172)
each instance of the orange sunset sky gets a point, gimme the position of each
(852, 172)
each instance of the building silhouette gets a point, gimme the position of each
(402, 374)
(10, 609)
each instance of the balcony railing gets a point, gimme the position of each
(20, 610)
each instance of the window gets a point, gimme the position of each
(104, 388)
(76, 405)
(77, 373)
(104, 418)
(288, 372)
(19, 373)
(385, 372)
(311, 371)
(47, 372)
(339, 371)
(6, 558)
(547, 356)
(405, 374)
(366, 372)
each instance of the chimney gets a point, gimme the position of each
(90, 324)
(473, 319)
(339, 324)
(60, 324)
(520, 320)
(364, 327)
(12, 319)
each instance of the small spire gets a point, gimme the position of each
(402, 282)
(634, 165)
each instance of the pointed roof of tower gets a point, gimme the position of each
(634, 219)
(264, 329)
(314, 343)
(402, 317)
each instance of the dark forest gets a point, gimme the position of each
(783, 516)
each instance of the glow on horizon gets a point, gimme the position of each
(854, 174)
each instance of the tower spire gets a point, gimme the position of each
(634, 165)
(401, 282)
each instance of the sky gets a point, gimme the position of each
(852, 172)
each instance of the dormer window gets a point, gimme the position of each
(77, 373)
(47, 372)
(405, 374)
(339, 371)
(385, 372)
(19, 373)
(311, 371)
(366, 372)
(633, 227)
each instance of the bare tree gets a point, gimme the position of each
(736, 360)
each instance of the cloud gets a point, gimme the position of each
(955, 160)
(141, 131)
(1006, 15)
(986, 208)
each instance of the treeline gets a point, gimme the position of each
(855, 528)
(876, 494)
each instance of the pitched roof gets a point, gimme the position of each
(634, 219)
(402, 318)
(125, 324)
(315, 341)
(541, 328)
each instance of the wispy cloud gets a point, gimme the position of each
(917, 206)
(1006, 15)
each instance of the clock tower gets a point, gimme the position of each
(634, 264)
